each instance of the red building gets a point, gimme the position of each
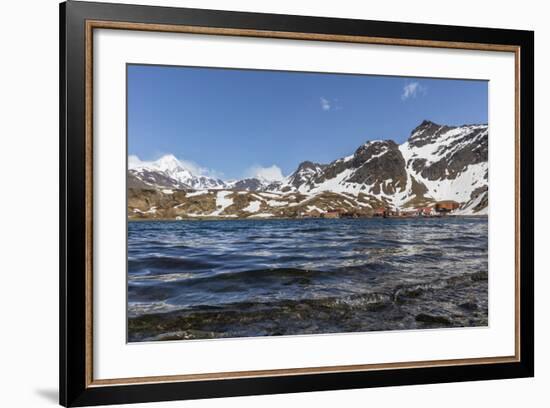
(379, 212)
(446, 206)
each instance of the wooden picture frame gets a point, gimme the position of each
(78, 20)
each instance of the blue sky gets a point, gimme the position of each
(234, 123)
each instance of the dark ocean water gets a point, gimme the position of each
(210, 279)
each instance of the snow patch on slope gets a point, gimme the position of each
(222, 202)
(253, 206)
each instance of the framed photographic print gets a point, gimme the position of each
(255, 203)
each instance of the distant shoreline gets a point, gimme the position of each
(198, 219)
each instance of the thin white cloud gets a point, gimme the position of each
(198, 170)
(325, 104)
(330, 104)
(412, 90)
(271, 173)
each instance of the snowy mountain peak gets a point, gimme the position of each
(375, 147)
(305, 173)
(167, 172)
(168, 162)
(427, 132)
(426, 124)
(308, 166)
(377, 143)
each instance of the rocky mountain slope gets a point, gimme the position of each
(436, 163)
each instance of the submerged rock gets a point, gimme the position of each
(432, 319)
(469, 305)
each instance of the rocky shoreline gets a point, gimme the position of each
(199, 219)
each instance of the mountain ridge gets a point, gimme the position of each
(436, 163)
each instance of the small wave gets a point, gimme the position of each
(378, 266)
(311, 230)
(417, 289)
(415, 258)
(465, 249)
(168, 263)
(256, 275)
(166, 277)
(365, 300)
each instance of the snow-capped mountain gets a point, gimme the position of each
(376, 167)
(168, 172)
(450, 163)
(305, 174)
(253, 184)
(436, 163)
